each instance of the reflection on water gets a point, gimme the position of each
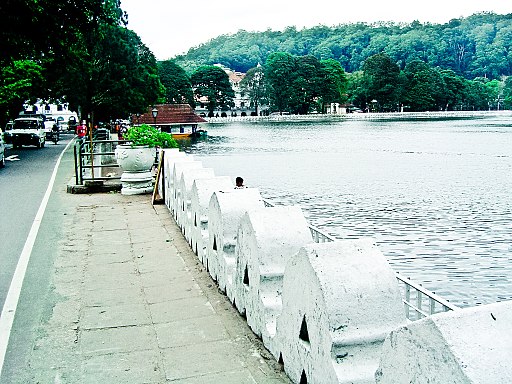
(434, 194)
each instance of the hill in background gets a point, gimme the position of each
(477, 46)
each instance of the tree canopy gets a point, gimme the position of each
(84, 55)
(178, 88)
(213, 83)
(471, 47)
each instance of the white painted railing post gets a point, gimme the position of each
(471, 345)
(201, 192)
(267, 238)
(340, 301)
(225, 211)
(187, 179)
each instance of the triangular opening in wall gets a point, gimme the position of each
(303, 378)
(214, 243)
(303, 334)
(246, 276)
(195, 220)
(183, 207)
(280, 361)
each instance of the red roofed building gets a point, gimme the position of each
(169, 115)
(172, 118)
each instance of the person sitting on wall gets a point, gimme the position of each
(239, 183)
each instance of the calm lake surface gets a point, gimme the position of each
(434, 194)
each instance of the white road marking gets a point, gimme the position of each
(12, 158)
(11, 301)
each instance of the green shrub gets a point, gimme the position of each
(147, 135)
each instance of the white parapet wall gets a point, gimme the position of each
(467, 346)
(340, 301)
(331, 312)
(267, 238)
(171, 156)
(178, 168)
(184, 213)
(225, 211)
(202, 190)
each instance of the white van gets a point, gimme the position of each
(26, 131)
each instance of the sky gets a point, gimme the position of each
(172, 27)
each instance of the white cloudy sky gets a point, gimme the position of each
(171, 27)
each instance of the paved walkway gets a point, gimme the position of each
(134, 305)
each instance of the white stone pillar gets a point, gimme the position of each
(171, 156)
(467, 346)
(340, 301)
(178, 168)
(267, 238)
(201, 193)
(225, 211)
(187, 179)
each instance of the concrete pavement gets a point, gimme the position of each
(132, 304)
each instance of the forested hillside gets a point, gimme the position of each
(476, 46)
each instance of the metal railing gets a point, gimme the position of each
(92, 158)
(418, 301)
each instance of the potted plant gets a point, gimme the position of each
(137, 156)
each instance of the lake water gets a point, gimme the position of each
(434, 194)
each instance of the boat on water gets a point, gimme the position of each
(184, 133)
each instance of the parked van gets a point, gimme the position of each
(26, 131)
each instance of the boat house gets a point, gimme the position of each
(177, 119)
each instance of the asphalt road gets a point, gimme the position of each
(23, 183)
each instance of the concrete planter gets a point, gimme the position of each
(136, 163)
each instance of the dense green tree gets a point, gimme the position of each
(280, 70)
(356, 90)
(494, 90)
(300, 84)
(254, 87)
(117, 75)
(213, 83)
(475, 95)
(334, 83)
(381, 82)
(307, 84)
(17, 85)
(178, 88)
(87, 57)
(425, 89)
(454, 86)
(47, 32)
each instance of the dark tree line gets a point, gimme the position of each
(304, 84)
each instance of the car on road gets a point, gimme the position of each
(26, 131)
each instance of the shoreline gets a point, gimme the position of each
(362, 116)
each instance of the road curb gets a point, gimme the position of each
(94, 186)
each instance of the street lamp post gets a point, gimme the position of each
(154, 112)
